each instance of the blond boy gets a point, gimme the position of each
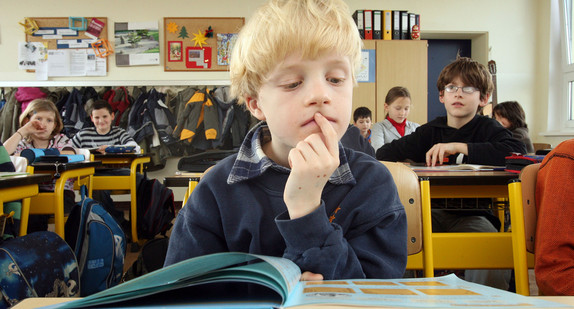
(293, 190)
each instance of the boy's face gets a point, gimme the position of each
(461, 107)
(102, 119)
(364, 124)
(298, 88)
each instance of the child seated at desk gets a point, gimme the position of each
(463, 137)
(292, 190)
(99, 137)
(103, 134)
(40, 126)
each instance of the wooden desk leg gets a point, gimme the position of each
(518, 241)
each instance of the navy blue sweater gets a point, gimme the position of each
(366, 237)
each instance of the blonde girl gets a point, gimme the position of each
(40, 126)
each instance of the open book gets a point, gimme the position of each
(175, 285)
(458, 167)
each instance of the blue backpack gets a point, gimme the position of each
(99, 243)
(40, 264)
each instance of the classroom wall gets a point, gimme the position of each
(517, 31)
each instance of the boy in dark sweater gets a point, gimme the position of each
(463, 137)
(292, 190)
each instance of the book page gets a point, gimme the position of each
(440, 292)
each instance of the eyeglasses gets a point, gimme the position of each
(466, 89)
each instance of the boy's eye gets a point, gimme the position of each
(292, 85)
(335, 80)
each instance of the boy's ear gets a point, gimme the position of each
(113, 115)
(484, 102)
(254, 108)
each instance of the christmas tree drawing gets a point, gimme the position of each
(183, 33)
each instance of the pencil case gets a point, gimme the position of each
(516, 162)
(33, 154)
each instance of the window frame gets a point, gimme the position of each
(566, 105)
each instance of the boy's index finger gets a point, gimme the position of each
(329, 133)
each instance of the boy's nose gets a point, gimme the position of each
(319, 94)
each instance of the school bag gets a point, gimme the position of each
(99, 243)
(150, 258)
(156, 208)
(40, 264)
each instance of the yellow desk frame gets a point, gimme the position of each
(458, 250)
(121, 182)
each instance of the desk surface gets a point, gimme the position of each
(51, 167)
(39, 302)
(181, 180)
(23, 180)
(118, 155)
(468, 177)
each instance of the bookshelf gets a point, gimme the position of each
(398, 63)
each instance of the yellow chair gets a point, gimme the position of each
(122, 184)
(522, 194)
(418, 235)
(52, 203)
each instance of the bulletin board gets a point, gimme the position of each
(63, 22)
(199, 44)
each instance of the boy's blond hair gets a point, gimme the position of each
(471, 72)
(42, 105)
(283, 27)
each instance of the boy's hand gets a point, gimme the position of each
(309, 276)
(438, 152)
(102, 149)
(312, 162)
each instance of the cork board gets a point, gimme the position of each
(188, 48)
(63, 22)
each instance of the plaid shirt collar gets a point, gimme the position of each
(251, 161)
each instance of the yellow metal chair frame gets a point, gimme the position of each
(52, 203)
(522, 194)
(480, 250)
(122, 183)
(419, 248)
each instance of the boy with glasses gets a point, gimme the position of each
(461, 137)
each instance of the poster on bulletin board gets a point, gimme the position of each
(199, 44)
(72, 38)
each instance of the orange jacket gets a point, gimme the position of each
(554, 247)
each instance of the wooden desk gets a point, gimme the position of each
(53, 202)
(183, 179)
(13, 188)
(117, 182)
(492, 246)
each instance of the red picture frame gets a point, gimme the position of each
(175, 51)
